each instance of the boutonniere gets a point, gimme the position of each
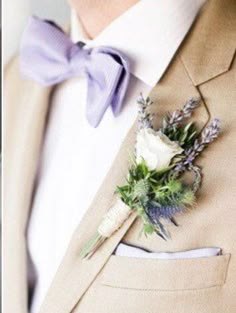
(155, 186)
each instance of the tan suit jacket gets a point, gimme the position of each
(204, 66)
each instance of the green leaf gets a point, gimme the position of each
(148, 229)
(188, 198)
(174, 186)
(187, 127)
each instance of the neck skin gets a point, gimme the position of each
(96, 15)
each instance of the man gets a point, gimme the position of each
(61, 172)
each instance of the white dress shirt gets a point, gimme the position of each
(76, 157)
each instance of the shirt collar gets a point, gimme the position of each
(149, 34)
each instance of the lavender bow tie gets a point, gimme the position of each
(50, 57)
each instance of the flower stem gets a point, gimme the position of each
(92, 245)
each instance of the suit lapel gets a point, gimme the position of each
(173, 91)
(210, 50)
(24, 120)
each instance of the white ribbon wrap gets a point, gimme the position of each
(114, 219)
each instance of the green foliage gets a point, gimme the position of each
(145, 186)
(183, 134)
(148, 229)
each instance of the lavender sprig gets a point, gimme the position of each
(172, 120)
(208, 135)
(145, 118)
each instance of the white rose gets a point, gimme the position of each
(155, 148)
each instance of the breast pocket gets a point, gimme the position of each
(152, 274)
(136, 285)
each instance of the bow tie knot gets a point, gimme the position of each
(50, 57)
(77, 60)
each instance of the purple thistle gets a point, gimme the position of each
(155, 211)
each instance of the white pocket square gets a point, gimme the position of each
(135, 252)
